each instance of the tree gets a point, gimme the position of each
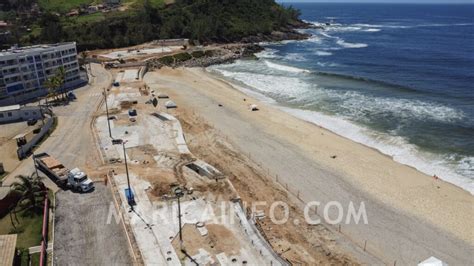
(60, 77)
(52, 30)
(31, 190)
(51, 85)
(55, 84)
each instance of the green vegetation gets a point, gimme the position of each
(167, 60)
(90, 18)
(55, 85)
(140, 3)
(63, 6)
(35, 259)
(28, 228)
(145, 20)
(24, 257)
(198, 54)
(25, 217)
(181, 57)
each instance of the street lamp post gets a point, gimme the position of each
(34, 163)
(130, 195)
(179, 193)
(107, 111)
(33, 157)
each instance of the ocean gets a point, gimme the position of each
(395, 77)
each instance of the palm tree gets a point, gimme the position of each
(60, 77)
(31, 191)
(51, 85)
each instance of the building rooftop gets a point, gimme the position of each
(7, 249)
(33, 48)
(9, 108)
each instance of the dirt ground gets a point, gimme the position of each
(299, 243)
(8, 145)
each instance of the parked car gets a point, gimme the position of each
(71, 96)
(132, 112)
(31, 122)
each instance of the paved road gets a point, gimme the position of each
(72, 141)
(82, 234)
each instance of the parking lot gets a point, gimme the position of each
(82, 235)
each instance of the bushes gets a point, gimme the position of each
(198, 54)
(172, 59)
(182, 57)
(167, 60)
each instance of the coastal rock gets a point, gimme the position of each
(276, 36)
(207, 57)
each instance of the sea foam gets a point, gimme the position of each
(285, 68)
(345, 44)
(294, 90)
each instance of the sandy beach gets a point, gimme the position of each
(411, 216)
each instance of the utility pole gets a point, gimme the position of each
(41, 111)
(33, 157)
(107, 111)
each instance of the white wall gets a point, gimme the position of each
(23, 114)
(8, 116)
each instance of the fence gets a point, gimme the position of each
(44, 232)
(364, 245)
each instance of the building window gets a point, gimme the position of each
(9, 114)
(1, 115)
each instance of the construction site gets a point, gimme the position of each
(210, 225)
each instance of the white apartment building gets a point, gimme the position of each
(24, 70)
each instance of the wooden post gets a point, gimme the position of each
(339, 228)
(365, 245)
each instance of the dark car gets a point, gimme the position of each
(71, 96)
(31, 122)
(132, 112)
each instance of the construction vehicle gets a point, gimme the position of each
(74, 179)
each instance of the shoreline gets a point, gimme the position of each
(391, 190)
(453, 178)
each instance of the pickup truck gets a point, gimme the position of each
(62, 176)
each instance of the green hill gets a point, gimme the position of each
(145, 20)
(62, 5)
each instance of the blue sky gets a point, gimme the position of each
(383, 1)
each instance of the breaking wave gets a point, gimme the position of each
(345, 44)
(285, 68)
(352, 109)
